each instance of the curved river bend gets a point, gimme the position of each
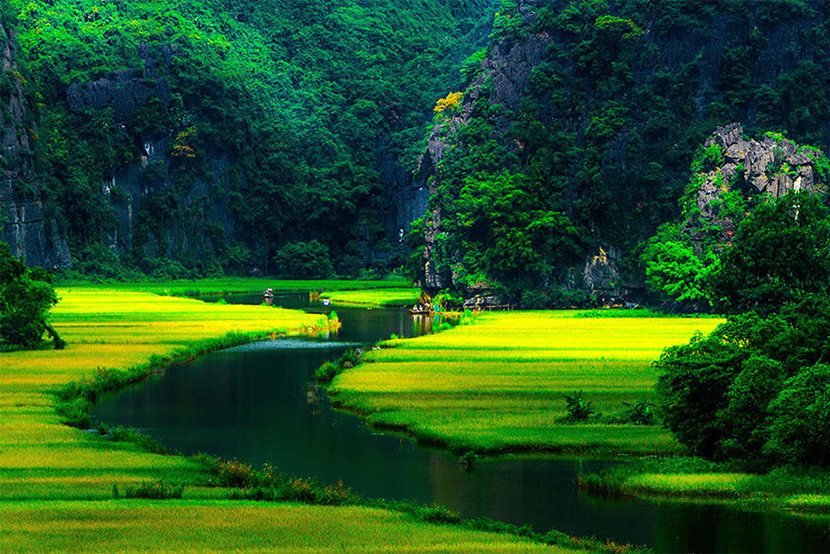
(252, 404)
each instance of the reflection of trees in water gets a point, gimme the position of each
(423, 324)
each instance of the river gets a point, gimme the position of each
(254, 404)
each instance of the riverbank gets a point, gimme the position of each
(694, 479)
(498, 385)
(58, 482)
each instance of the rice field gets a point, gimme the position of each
(237, 285)
(787, 488)
(498, 385)
(56, 481)
(200, 526)
(395, 296)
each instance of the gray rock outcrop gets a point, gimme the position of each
(23, 226)
(772, 165)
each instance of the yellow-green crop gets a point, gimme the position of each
(56, 482)
(499, 384)
(397, 296)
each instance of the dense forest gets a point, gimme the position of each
(550, 139)
(572, 140)
(204, 136)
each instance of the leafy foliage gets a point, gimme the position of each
(26, 296)
(578, 408)
(600, 128)
(227, 126)
(303, 260)
(800, 429)
(756, 390)
(780, 253)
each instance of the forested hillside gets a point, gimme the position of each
(275, 137)
(572, 139)
(205, 135)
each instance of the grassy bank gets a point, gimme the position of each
(696, 479)
(57, 483)
(499, 384)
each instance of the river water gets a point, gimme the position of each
(254, 403)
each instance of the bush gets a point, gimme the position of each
(99, 262)
(327, 372)
(303, 260)
(640, 412)
(578, 408)
(800, 429)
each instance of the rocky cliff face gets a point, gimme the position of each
(770, 166)
(23, 225)
(502, 78)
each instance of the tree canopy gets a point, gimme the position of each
(755, 390)
(26, 296)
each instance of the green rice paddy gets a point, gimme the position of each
(202, 526)
(56, 482)
(236, 285)
(392, 296)
(498, 385)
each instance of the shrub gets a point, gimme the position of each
(99, 262)
(129, 434)
(326, 372)
(640, 412)
(437, 513)
(578, 408)
(800, 429)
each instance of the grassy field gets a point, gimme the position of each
(499, 384)
(397, 296)
(56, 482)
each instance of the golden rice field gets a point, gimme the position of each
(499, 384)
(56, 481)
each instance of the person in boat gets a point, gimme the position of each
(268, 296)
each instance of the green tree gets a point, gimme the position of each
(676, 271)
(780, 253)
(304, 260)
(800, 430)
(692, 387)
(25, 299)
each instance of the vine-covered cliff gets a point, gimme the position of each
(206, 136)
(571, 140)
